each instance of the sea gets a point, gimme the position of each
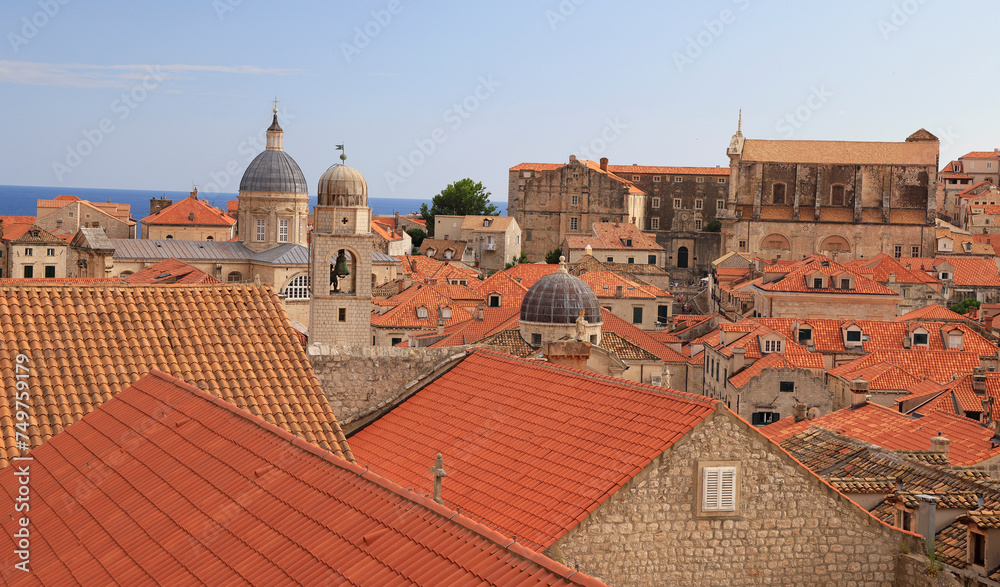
(19, 200)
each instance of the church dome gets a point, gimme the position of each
(274, 171)
(342, 186)
(558, 298)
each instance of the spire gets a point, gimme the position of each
(739, 124)
(275, 136)
(562, 265)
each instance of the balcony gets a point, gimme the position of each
(489, 247)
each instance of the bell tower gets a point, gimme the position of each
(340, 259)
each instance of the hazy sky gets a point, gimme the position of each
(148, 95)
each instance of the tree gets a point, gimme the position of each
(522, 259)
(417, 234)
(713, 225)
(462, 198)
(963, 306)
(553, 256)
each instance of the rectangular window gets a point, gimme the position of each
(764, 418)
(845, 283)
(636, 315)
(651, 260)
(677, 203)
(662, 313)
(677, 179)
(395, 341)
(611, 259)
(575, 200)
(697, 224)
(655, 203)
(259, 237)
(536, 339)
(915, 251)
(574, 223)
(341, 314)
(778, 193)
(805, 334)
(631, 260)
(718, 489)
(772, 346)
(50, 271)
(920, 338)
(722, 180)
(817, 283)
(698, 204)
(654, 223)
(978, 548)
(743, 245)
(50, 252)
(786, 386)
(837, 195)
(700, 180)
(283, 230)
(656, 179)
(853, 336)
(897, 251)
(29, 271)
(29, 252)
(720, 204)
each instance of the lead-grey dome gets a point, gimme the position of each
(558, 299)
(274, 171)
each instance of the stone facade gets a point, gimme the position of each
(188, 233)
(791, 527)
(699, 191)
(776, 391)
(845, 200)
(358, 380)
(81, 214)
(695, 250)
(551, 202)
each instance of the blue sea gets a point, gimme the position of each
(17, 200)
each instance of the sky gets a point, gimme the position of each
(163, 95)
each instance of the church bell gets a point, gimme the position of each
(341, 269)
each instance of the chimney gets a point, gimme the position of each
(604, 163)
(979, 381)
(618, 291)
(926, 526)
(800, 412)
(572, 158)
(440, 325)
(940, 444)
(859, 393)
(438, 471)
(157, 204)
(194, 193)
(395, 218)
(480, 309)
(739, 359)
(568, 353)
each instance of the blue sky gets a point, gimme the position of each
(147, 95)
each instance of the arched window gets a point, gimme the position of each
(170, 236)
(682, 258)
(125, 273)
(235, 277)
(774, 241)
(835, 243)
(298, 288)
(209, 238)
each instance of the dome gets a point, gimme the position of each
(342, 186)
(274, 171)
(558, 299)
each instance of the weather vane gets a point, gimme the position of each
(343, 154)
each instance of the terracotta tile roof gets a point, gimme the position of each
(972, 271)
(883, 485)
(940, 366)
(382, 232)
(952, 500)
(641, 338)
(951, 545)
(509, 341)
(605, 284)
(798, 280)
(559, 441)
(190, 212)
(663, 336)
(777, 361)
(881, 266)
(61, 281)
(981, 155)
(87, 343)
(406, 313)
(241, 493)
(976, 189)
(170, 271)
(528, 273)
(23, 234)
(614, 236)
(958, 396)
(842, 152)
(8, 220)
(496, 224)
(587, 163)
(232, 206)
(626, 171)
(503, 283)
(932, 312)
(474, 330)
(892, 430)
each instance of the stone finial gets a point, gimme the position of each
(562, 264)
(256, 279)
(438, 471)
(939, 444)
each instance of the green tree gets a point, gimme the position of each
(713, 225)
(963, 306)
(462, 198)
(553, 256)
(417, 234)
(522, 259)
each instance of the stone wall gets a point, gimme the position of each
(358, 380)
(791, 527)
(762, 393)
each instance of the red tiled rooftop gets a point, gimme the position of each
(606, 283)
(190, 211)
(939, 366)
(167, 484)
(170, 271)
(531, 448)
(777, 361)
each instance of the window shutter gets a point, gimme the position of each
(718, 489)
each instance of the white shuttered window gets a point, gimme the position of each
(718, 489)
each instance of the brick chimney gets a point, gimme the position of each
(979, 381)
(940, 444)
(480, 309)
(800, 412)
(440, 325)
(618, 291)
(739, 359)
(569, 353)
(604, 163)
(859, 393)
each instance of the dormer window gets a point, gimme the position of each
(446, 312)
(494, 300)
(920, 338)
(421, 312)
(944, 275)
(805, 335)
(955, 340)
(772, 346)
(487, 222)
(854, 335)
(817, 283)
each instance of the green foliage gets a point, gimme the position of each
(713, 225)
(963, 306)
(462, 198)
(522, 259)
(418, 235)
(553, 256)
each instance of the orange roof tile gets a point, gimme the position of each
(528, 273)
(890, 429)
(881, 266)
(8, 220)
(939, 366)
(170, 271)
(932, 312)
(190, 212)
(189, 489)
(559, 441)
(958, 395)
(638, 337)
(777, 361)
(841, 152)
(614, 236)
(406, 314)
(981, 155)
(606, 283)
(626, 170)
(798, 280)
(87, 343)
